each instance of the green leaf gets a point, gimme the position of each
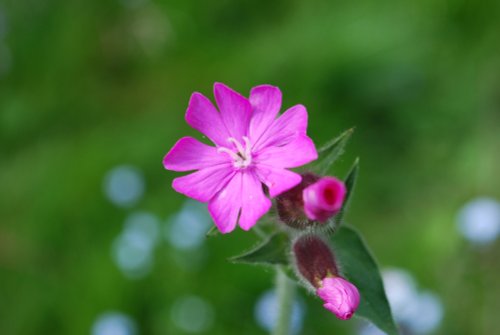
(272, 251)
(212, 232)
(331, 151)
(360, 268)
(350, 182)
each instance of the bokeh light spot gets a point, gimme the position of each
(266, 312)
(133, 248)
(479, 221)
(124, 185)
(186, 230)
(416, 312)
(192, 314)
(114, 323)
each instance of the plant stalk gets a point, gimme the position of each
(285, 293)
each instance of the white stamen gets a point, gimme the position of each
(237, 144)
(243, 156)
(248, 147)
(231, 153)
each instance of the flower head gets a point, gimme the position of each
(253, 147)
(340, 296)
(323, 199)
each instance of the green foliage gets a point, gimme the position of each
(350, 183)
(272, 251)
(213, 232)
(331, 151)
(359, 267)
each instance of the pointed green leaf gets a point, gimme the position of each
(350, 183)
(331, 151)
(212, 232)
(360, 268)
(272, 251)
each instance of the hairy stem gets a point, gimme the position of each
(285, 291)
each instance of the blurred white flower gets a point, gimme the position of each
(187, 229)
(124, 185)
(133, 248)
(426, 313)
(417, 312)
(114, 323)
(479, 221)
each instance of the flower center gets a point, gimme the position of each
(241, 155)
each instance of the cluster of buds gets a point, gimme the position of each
(315, 263)
(316, 201)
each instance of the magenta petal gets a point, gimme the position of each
(340, 297)
(276, 179)
(235, 111)
(202, 116)
(190, 154)
(254, 201)
(266, 104)
(296, 153)
(225, 206)
(204, 184)
(285, 129)
(324, 198)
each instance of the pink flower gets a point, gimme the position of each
(252, 147)
(323, 199)
(340, 296)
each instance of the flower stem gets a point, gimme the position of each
(285, 291)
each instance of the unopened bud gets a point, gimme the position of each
(315, 262)
(314, 259)
(323, 199)
(290, 204)
(340, 296)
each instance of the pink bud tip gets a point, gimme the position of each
(323, 199)
(340, 297)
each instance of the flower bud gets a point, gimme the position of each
(314, 259)
(323, 199)
(315, 262)
(290, 204)
(340, 296)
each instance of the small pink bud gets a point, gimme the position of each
(340, 296)
(323, 199)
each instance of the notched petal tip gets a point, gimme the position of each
(221, 88)
(251, 213)
(224, 227)
(202, 115)
(194, 101)
(197, 103)
(266, 88)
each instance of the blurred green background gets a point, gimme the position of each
(86, 86)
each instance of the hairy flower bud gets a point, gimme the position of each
(290, 204)
(314, 259)
(340, 296)
(315, 199)
(323, 199)
(315, 262)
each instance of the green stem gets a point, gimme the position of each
(259, 232)
(285, 291)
